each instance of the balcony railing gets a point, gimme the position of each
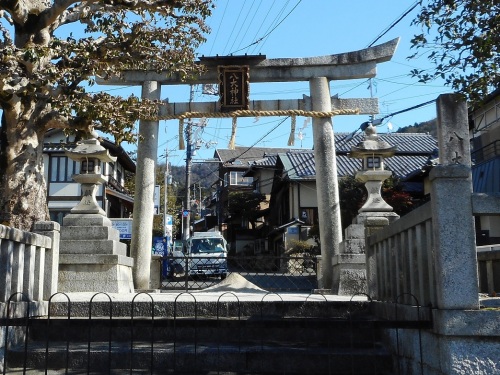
(487, 152)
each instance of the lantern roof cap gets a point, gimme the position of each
(90, 148)
(371, 145)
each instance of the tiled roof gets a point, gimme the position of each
(244, 156)
(301, 166)
(268, 161)
(406, 143)
(412, 153)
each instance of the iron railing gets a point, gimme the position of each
(270, 273)
(226, 335)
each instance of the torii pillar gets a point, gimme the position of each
(142, 225)
(327, 191)
(318, 71)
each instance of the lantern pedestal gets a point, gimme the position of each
(349, 266)
(92, 258)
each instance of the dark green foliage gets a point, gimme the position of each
(460, 38)
(429, 127)
(245, 205)
(352, 195)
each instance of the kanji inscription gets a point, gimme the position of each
(233, 87)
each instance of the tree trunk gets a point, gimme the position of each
(23, 192)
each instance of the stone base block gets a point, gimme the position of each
(111, 247)
(95, 273)
(361, 218)
(155, 272)
(352, 246)
(89, 233)
(86, 220)
(349, 274)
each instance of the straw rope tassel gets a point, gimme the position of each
(232, 141)
(181, 134)
(291, 138)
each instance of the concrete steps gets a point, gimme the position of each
(255, 344)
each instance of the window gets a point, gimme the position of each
(236, 178)
(373, 162)
(62, 168)
(58, 216)
(309, 215)
(88, 166)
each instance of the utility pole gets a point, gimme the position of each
(187, 199)
(165, 195)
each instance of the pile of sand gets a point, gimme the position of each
(235, 283)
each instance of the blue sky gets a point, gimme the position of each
(303, 29)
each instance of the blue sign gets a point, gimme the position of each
(185, 213)
(169, 220)
(160, 246)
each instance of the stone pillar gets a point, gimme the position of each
(142, 226)
(52, 230)
(453, 130)
(451, 190)
(330, 227)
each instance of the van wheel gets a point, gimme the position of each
(223, 276)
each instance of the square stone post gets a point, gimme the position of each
(52, 230)
(451, 201)
(454, 238)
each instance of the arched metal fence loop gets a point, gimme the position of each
(132, 334)
(225, 294)
(68, 317)
(21, 297)
(310, 295)
(417, 304)
(219, 338)
(263, 299)
(110, 331)
(176, 301)
(350, 313)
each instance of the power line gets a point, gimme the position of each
(260, 139)
(269, 33)
(395, 23)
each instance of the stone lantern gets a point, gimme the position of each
(372, 152)
(349, 266)
(91, 155)
(91, 256)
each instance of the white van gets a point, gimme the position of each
(207, 254)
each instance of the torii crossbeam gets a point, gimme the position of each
(318, 71)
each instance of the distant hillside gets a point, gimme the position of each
(423, 127)
(201, 173)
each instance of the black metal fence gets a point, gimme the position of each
(190, 336)
(270, 273)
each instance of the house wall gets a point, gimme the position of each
(266, 181)
(491, 224)
(302, 195)
(308, 194)
(487, 123)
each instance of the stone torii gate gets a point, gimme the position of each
(318, 71)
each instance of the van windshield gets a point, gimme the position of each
(207, 245)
